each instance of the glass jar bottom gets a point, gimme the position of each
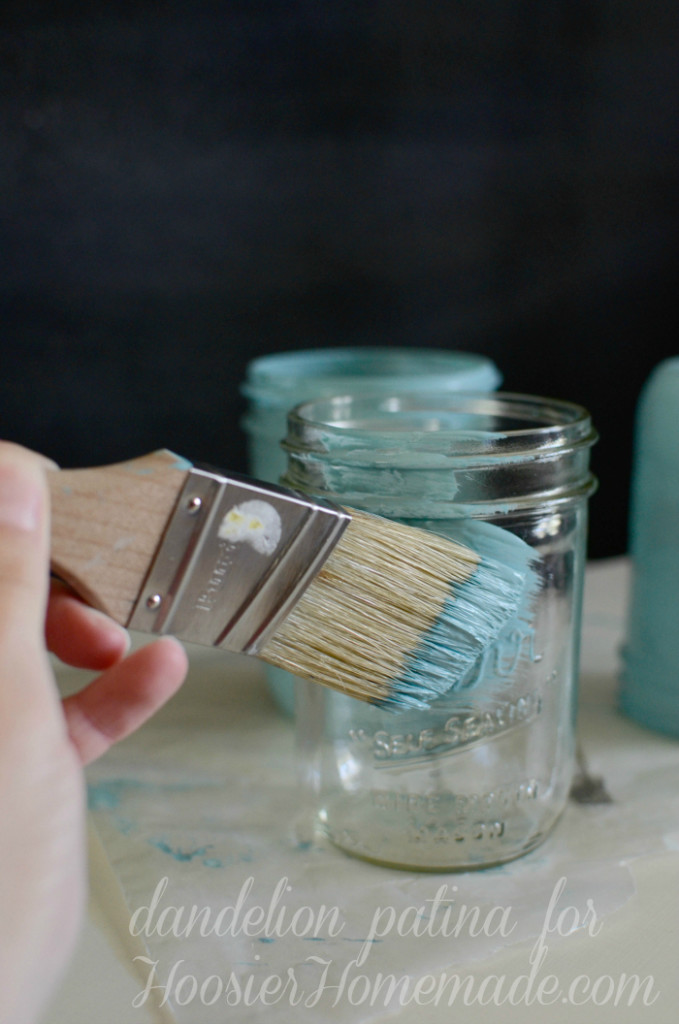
(449, 847)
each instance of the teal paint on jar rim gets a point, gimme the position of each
(456, 454)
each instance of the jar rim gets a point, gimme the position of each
(455, 424)
(330, 371)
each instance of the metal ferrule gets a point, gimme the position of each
(235, 558)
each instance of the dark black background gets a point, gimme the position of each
(185, 186)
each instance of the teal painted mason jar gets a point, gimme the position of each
(276, 383)
(482, 776)
(650, 678)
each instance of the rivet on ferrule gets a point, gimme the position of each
(154, 602)
(194, 505)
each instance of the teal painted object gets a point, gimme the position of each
(275, 384)
(650, 680)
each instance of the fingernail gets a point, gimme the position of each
(20, 500)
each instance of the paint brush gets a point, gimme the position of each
(387, 613)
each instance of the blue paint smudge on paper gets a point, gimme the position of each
(108, 795)
(105, 795)
(185, 856)
(177, 854)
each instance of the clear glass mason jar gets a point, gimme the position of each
(276, 383)
(481, 776)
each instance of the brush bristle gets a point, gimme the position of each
(396, 615)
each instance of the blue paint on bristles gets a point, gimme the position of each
(398, 615)
(499, 593)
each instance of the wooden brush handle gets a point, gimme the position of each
(107, 523)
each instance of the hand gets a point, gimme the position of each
(44, 742)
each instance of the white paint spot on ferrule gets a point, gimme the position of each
(255, 523)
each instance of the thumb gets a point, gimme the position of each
(24, 552)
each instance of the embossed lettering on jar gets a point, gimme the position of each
(482, 776)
